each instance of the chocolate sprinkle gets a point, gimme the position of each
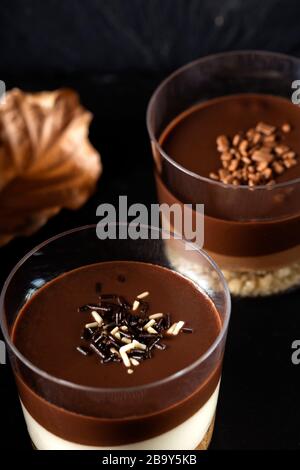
(120, 322)
(83, 350)
(124, 333)
(160, 346)
(96, 337)
(154, 343)
(187, 330)
(99, 308)
(97, 350)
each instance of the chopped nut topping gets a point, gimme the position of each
(286, 128)
(222, 143)
(262, 156)
(236, 140)
(265, 129)
(278, 168)
(254, 157)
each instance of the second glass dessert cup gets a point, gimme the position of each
(252, 233)
(174, 413)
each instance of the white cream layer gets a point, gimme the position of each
(186, 436)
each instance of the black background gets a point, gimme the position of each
(114, 52)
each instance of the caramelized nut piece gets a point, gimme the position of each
(278, 168)
(214, 176)
(226, 156)
(243, 147)
(289, 155)
(289, 163)
(246, 160)
(265, 129)
(250, 134)
(286, 128)
(262, 156)
(233, 165)
(269, 138)
(262, 166)
(281, 149)
(223, 173)
(267, 173)
(222, 143)
(236, 140)
(256, 138)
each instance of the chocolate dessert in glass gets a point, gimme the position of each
(225, 133)
(113, 347)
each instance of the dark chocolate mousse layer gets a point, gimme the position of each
(47, 332)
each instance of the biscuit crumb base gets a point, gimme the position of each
(241, 283)
(260, 283)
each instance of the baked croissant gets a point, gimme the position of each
(46, 160)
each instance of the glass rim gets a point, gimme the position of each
(182, 69)
(67, 383)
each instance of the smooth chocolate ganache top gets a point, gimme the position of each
(49, 327)
(190, 139)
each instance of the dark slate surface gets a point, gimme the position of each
(144, 35)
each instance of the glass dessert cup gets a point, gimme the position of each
(176, 412)
(252, 233)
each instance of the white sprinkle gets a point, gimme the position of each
(171, 329)
(91, 325)
(134, 362)
(155, 316)
(114, 331)
(129, 371)
(150, 323)
(124, 328)
(178, 327)
(138, 345)
(127, 347)
(114, 351)
(126, 340)
(117, 335)
(125, 359)
(136, 305)
(142, 295)
(151, 330)
(123, 353)
(97, 317)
